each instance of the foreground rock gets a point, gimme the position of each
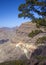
(11, 51)
(38, 56)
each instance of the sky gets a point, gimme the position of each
(9, 13)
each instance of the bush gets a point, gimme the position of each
(40, 22)
(41, 40)
(33, 33)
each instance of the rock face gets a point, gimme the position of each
(12, 51)
(39, 56)
(15, 43)
(23, 31)
(9, 52)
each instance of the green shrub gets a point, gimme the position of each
(40, 22)
(33, 33)
(41, 40)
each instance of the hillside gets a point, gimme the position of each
(16, 43)
(26, 28)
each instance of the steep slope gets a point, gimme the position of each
(26, 28)
(39, 56)
(15, 43)
(12, 51)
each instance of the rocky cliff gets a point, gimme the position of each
(14, 43)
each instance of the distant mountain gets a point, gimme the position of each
(7, 28)
(7, 33)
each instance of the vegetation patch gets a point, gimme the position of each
(15, 62)
(40, 22)
(41, 40)
(33, 33)
(40, 58)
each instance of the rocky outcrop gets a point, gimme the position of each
(26, 28)
(12, 51)
(39, 56)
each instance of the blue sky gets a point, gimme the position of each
(9, 13)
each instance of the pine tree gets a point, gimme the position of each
(31, 7)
